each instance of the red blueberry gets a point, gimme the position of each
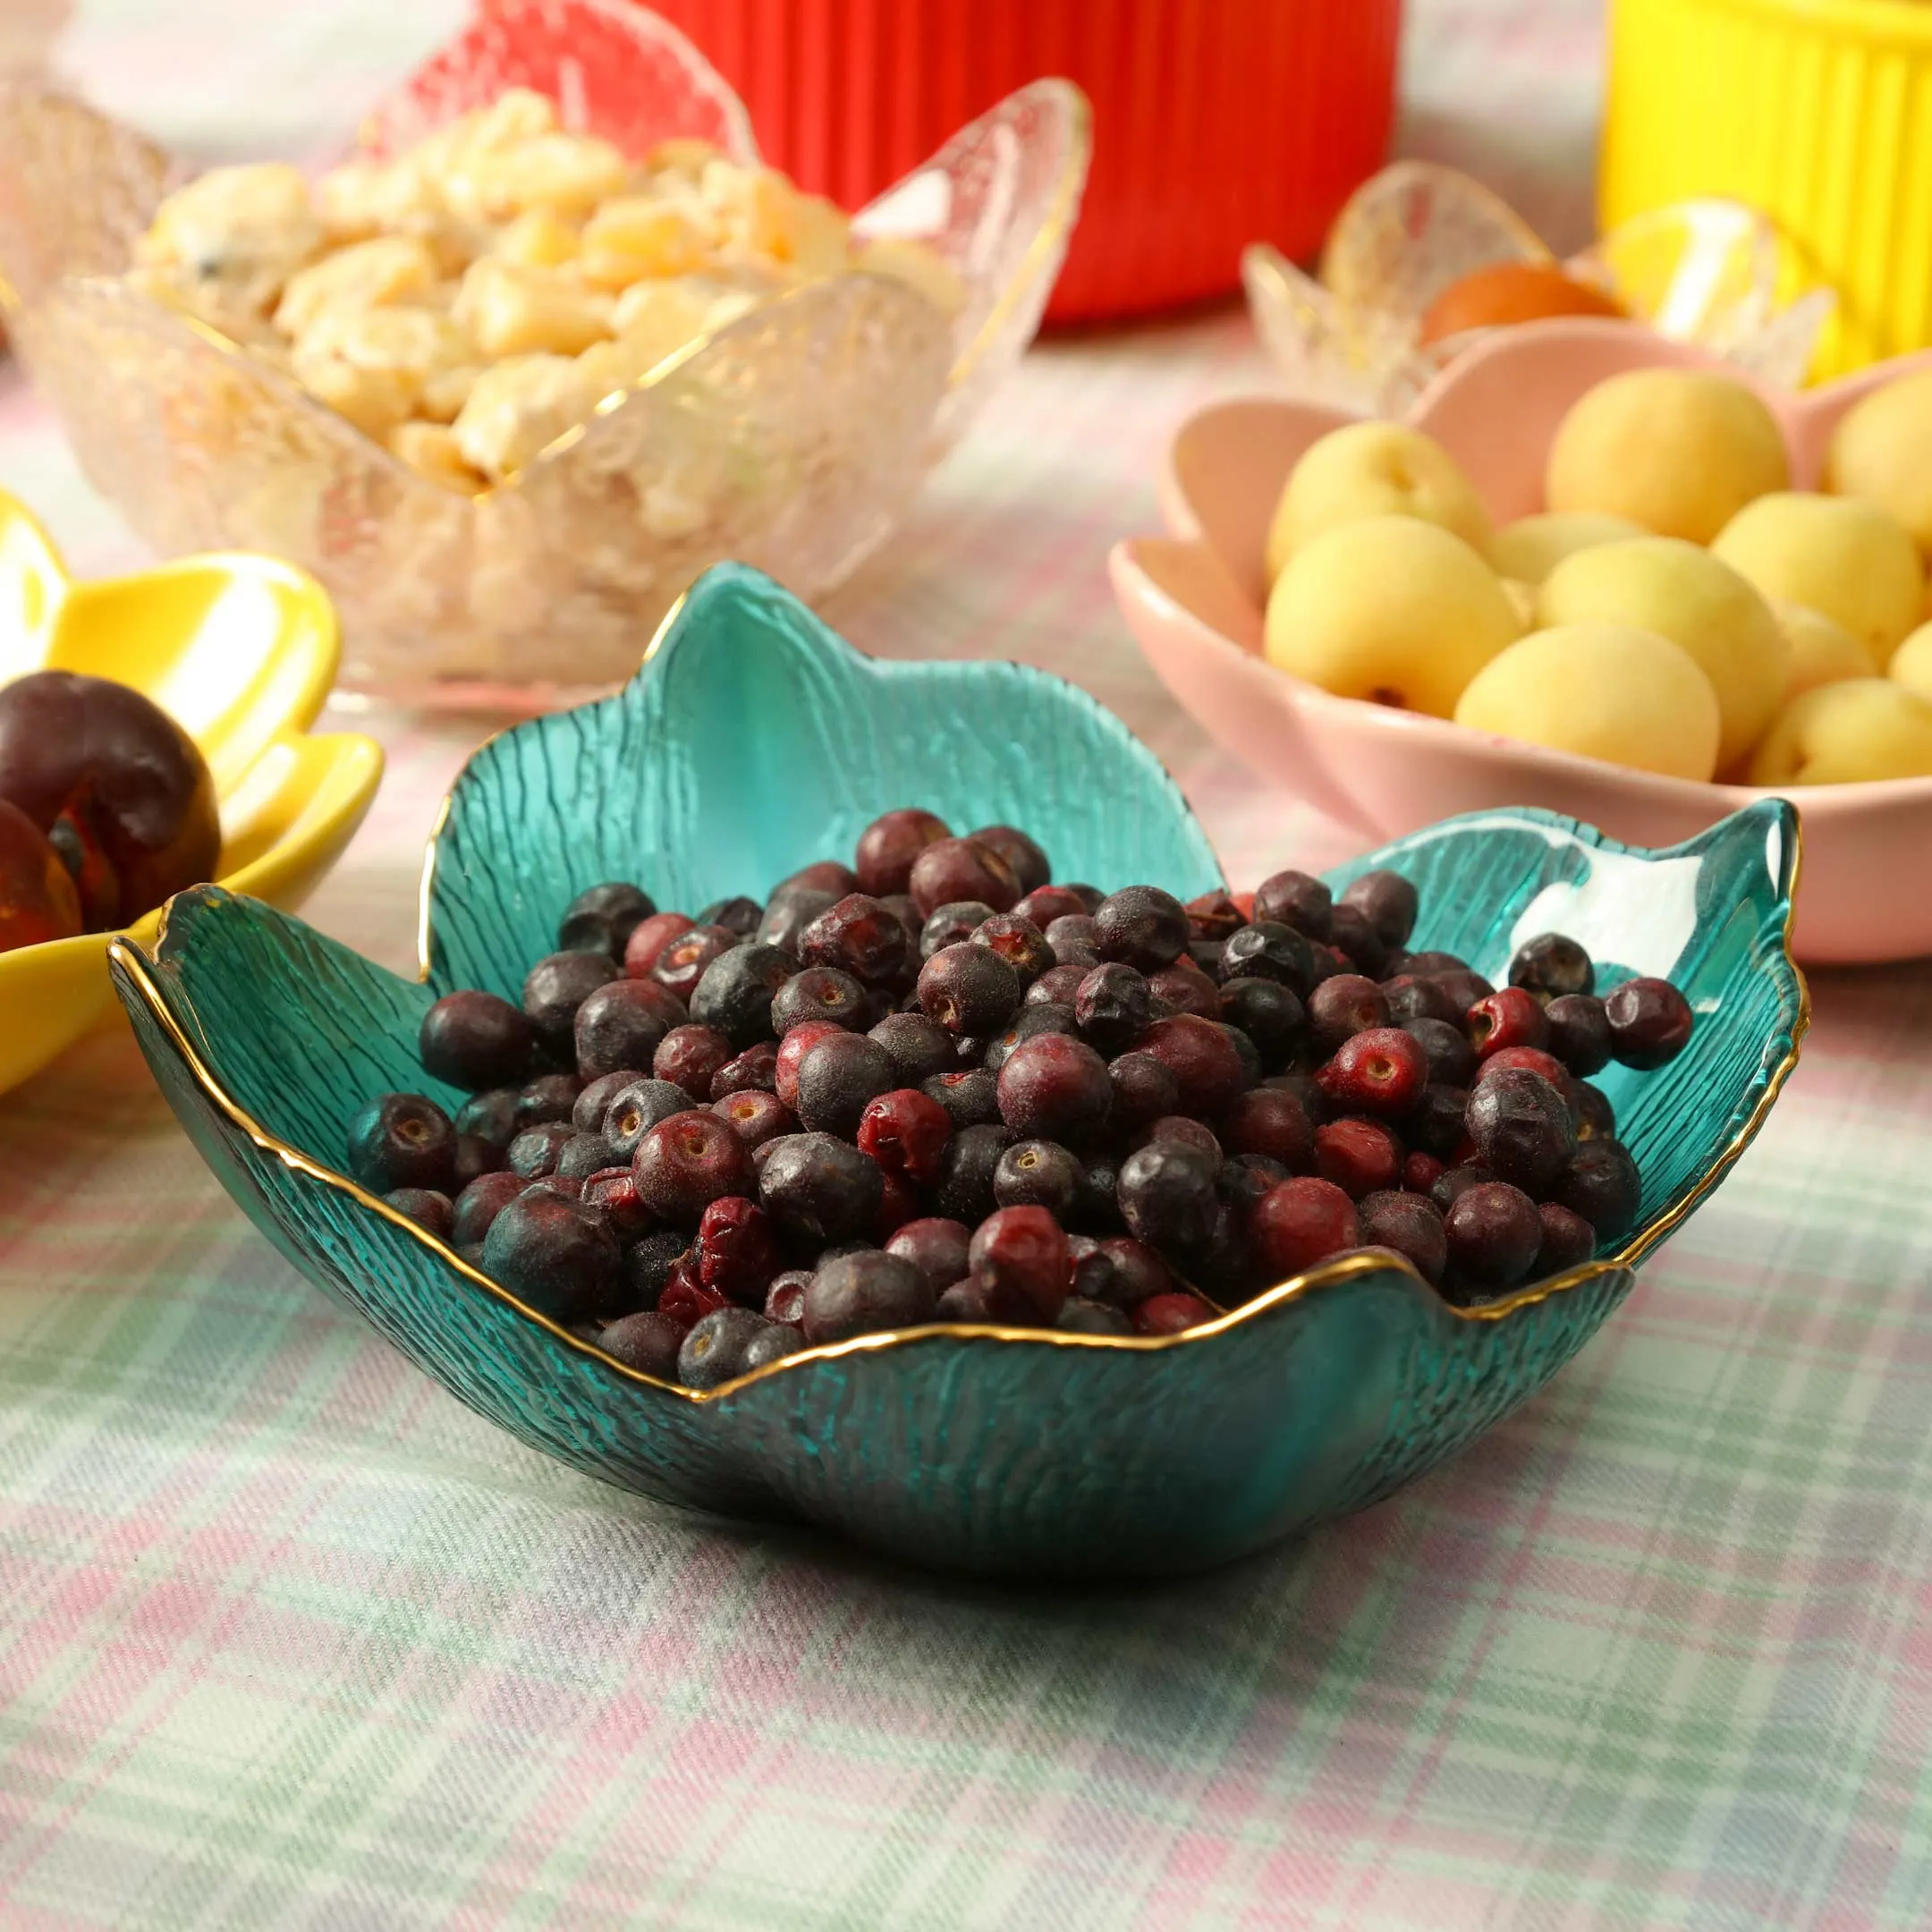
(1055, 1088)
(1359, 1156)
(1019, 1260)
(888, 846)
(955, 869)
(906, 1133)
(1509, 1017)
(1302, 1222)
(1380, 1072)
(685, 1163)
(1170, 1314)
(1202, 1060)
(1649, 1021)
(792, 1051)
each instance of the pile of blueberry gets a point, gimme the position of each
(934, 1085)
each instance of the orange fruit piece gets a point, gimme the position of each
(1512, 291)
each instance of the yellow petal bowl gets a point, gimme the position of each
(241, 651)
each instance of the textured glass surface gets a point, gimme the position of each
(753, 739)
(793, 440)
(1707, 272)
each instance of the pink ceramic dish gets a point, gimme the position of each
(1194, 601)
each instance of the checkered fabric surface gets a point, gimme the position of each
(289, 1639)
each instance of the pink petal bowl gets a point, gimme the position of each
(1194, 601)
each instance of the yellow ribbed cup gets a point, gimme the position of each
(1819, 112)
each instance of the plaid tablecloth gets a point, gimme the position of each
(289, 1639)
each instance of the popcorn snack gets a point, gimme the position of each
(470, 299)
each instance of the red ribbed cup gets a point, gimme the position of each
(1217, 122)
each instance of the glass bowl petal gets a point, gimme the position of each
(614, 70)
(752, 739)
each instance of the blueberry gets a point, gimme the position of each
(1141, 926)
(1269, 950)
(620, 1025)
(1579, 1032)
(1029, 864)
(685, 1163)
(1168, 1196)
(820, 1189)
(480, 1203)
(590, 1107)
(556, 987)
(1017, 941)
(837, 1077)
(1055, 1088)
(537, 1150)
(691, 1057)
(425, 1206)
(1493, 1233)
(919, 1047)
(476, 1041)
(713, 1352)
(1144, 1090)
(952, 925)
(741, 916)
(586, 1154)
(1267, 1011)
(402, 1141)
(490, 1117)
(1604, 1186)
(1451, 1060)
(889, 846)
(937, 1247)
(639, 1107)
(1075, 940)
(1113, 1006)
(1297, 899)
(556, 1256)
(1388, 902)
(1409, 1223)
(550, 1096)
(1568, 1239)
(1028, 1024)
(648, 1343)
(1356, 939)
(1551, 964)
(648, 1263)
(857, 936)
(823, 875)
(1521, 1128)
(603, 918)
(772, 1343)
(736, 993)
(970, 1095)
(863, 1295)
(1078, 1315)
(788, 915)
(754, 1070)
(968, 989)
(818, 993)
(1020, 1264)
(1039, 1174)
(612, 1191)
(964, 1189)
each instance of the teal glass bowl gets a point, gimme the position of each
(753, 741)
